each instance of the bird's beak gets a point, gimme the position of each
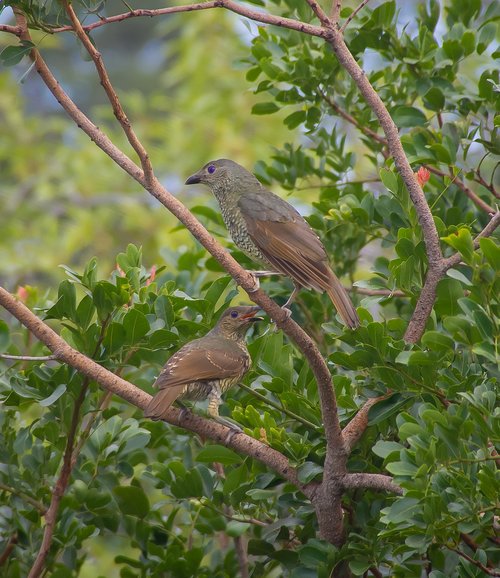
(250, 316)
(193, 179)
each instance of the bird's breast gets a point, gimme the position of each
(236, 225)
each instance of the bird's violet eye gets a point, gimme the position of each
(211, 169)
(234, 314)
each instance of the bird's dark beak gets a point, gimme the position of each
(193, 179)
(250, 315)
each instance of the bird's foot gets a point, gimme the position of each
(256, 282)
(234, 428)
(288, 314)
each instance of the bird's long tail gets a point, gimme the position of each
(160, 403)
(342, 302)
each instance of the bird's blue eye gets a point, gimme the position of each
(234, 314)
(211, 169)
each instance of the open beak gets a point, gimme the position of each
(193, 179)
(250, 315)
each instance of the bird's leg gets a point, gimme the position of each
(214, 400)
(264, 273)
(289, 300)
(258, 274)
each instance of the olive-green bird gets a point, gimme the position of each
(208, 366)
(271, 231)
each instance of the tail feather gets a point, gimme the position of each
(342, 302)
(160, 403)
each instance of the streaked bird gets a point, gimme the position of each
(208, 366)
(272, 232)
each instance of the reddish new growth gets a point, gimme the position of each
(423, 175)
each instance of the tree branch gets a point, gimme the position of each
(60, 487)
(356, 427)
(24, 496)
(322, 17)
(487, 570)
(258, 16)
(11, 544)
(335, 11)
(335, 455)
(112, 96)
(464, 188)
(16, 30)
(352, 15)
(135, 396)
(377, 482)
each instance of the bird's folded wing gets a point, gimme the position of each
(201, 364)
(290, 245)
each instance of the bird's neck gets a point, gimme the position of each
(227, 334)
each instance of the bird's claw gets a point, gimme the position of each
(256, 282)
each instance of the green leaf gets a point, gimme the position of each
(384, 449)
(437, 341)
(136, 325)
(462, 242)
(491, 251)
(408, 117)
(295, 119)
(459, 276)
(434, 99)
(265, 108)
(389, 179)
(308, 471)
(132, 500)
(235, 528)
(12, 55)
(220, 454)
(4, 335)
(385, 408)
(54, 396)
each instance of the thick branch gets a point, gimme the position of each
(377, 482)
(346, 59)
(335, 11)
(130, 393)
(335, 451)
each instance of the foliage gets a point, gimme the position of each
(158, 489)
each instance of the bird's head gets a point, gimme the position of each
(235, 321)
(224, 175)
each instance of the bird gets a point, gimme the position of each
(207, 367)
(270, 231)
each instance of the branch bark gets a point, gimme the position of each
(135, 396)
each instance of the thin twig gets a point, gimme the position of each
(256, 15)
(278, 407)
(464, 188)
(60, 487)
(352, 15)
(375, 292)
(349, 118)
(320, 13)
(11, 544)
(112, 96)
(24, 496)
(28, 357)
(335, 11)
(16, 30)
(482, 567)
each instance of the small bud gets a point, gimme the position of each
(423, 175)
(152, 275)
(22, 294)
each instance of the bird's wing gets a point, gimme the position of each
(285, 239)
(199, 364)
